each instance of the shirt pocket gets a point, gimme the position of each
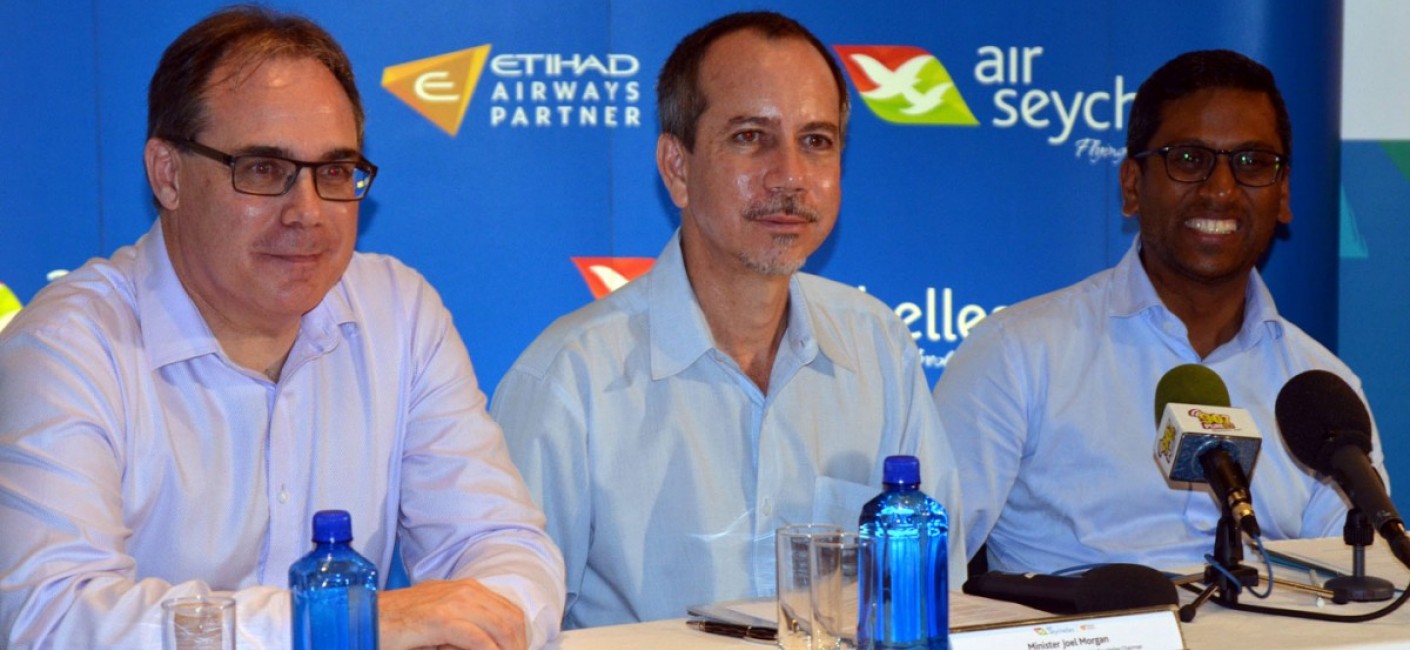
(840, 502)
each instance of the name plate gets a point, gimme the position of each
(1155, 628)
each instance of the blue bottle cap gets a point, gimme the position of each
(332, 526)
(901, 470)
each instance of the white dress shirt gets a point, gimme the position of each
(138, 463)
(664, 470)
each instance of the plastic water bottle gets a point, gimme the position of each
(334, 590)
(904, 602)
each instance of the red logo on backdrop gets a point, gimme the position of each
(607, 274)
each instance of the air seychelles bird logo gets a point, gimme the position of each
(905, 85)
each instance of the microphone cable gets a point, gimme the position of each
(1238, 587)
(1294, 613)
(1315, 616)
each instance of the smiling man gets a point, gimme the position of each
(669, 428)
(1050, 400)
(172, 417)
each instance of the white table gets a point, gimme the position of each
(1214, 628)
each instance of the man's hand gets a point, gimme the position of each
(460, 614)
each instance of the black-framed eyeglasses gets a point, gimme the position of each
(265, 175)
(1192, 163)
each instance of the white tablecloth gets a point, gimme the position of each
(1214, 628)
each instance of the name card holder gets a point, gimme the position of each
(1155, 628)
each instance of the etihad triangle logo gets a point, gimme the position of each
(439, 87)
(607, 274)
(905, 85)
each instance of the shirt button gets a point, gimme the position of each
(767, 508)
(283, 495)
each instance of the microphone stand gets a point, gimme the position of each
(1359, 587)
(1223, 584)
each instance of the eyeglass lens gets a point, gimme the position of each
(1193, 164)
(342, 180)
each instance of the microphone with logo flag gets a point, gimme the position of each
(1327, 427)
(1201, 439)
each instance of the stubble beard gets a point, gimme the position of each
(779, 258)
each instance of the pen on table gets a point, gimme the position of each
(1301, 563)
(734, 630)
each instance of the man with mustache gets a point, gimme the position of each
(172, 417)
(668, 429)
(1049, 401)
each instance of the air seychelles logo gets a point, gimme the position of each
(937, 321)
(905, 85)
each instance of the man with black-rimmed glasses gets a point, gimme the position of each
(171, 417)
(1048, 403)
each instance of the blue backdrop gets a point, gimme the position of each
(529, 142)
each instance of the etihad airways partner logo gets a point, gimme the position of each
(905, 85)
(529, 89)
(439, 87)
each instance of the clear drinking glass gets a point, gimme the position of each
(198, 623)
(795, 600)
(834, 563)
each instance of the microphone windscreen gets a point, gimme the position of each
(1318, 411)
(1190, 383)
(1124, 586)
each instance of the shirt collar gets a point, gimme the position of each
(1260, 314)
(173, 330)
(680, 334)
(1132, 293)
(812, 330)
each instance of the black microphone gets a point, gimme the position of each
(1328, 428)
(1105, 588)
(1201, 439)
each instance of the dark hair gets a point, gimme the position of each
(679, 99)
(1195, 71)
(176, 97)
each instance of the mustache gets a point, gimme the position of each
(291, 244)
(788, 204)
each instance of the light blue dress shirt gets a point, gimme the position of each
(664, 470)
(138, 463)
(1050, 405)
